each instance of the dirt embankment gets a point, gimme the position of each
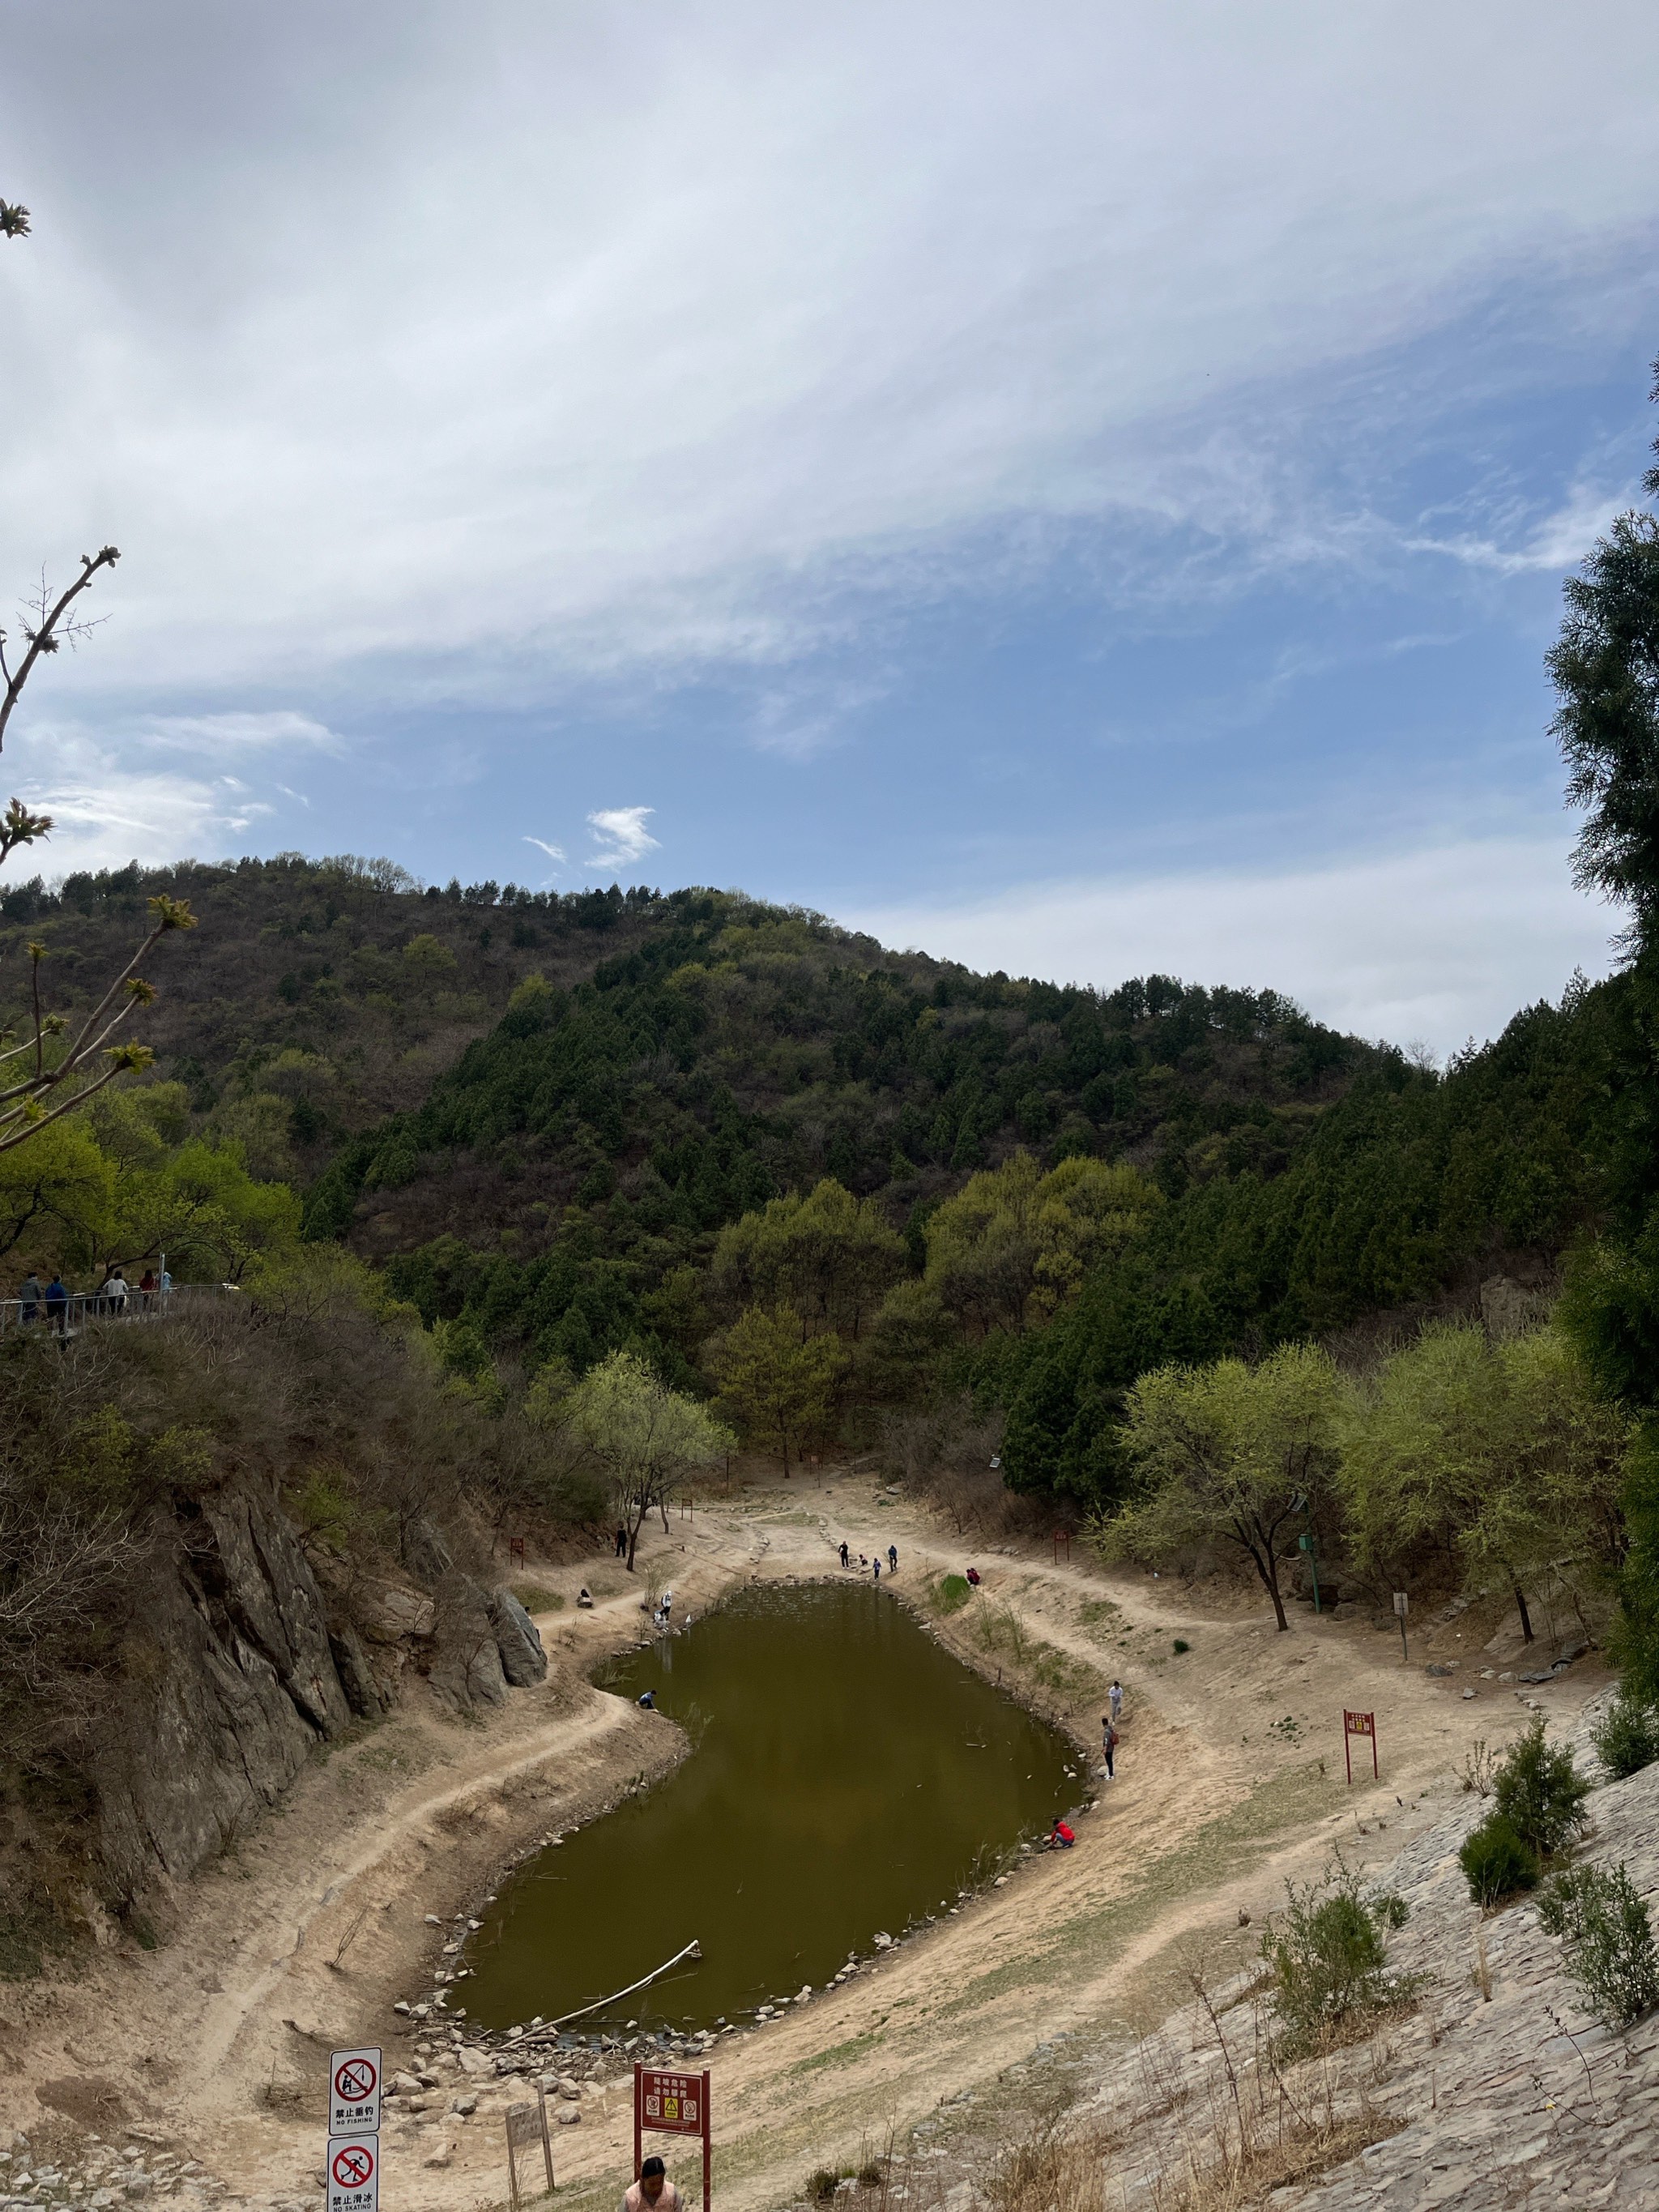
(1230, 1779)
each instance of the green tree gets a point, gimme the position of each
(775, 1385)
(646, 1438)
(1502, 1461)
(1605, 667)
(1227, 1452)
(1014, 1243)
(827, 1257)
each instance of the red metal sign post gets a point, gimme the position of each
(671, 2104)
(1359, 1725)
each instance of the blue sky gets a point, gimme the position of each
(1082, 490)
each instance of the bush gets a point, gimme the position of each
(1497, 1860)
(1608, 1938)
(1628, 1739)
(1540, 1793)
(953, 1593)
(1326, 1960)
(1181, 1644)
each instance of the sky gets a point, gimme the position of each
(1081, 490)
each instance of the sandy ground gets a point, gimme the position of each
(1230, 1782)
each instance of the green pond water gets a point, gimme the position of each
(848, 1776)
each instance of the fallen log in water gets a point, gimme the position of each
(693, 1950)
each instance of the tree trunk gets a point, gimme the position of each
(1271, 1578)
(1525, 1618)
(638, 1520)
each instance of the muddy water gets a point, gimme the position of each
(848, 1776)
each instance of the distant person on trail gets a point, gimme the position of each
(56, 1304)
(148, 1287)
(973, 1578)
(1116, 1693)
(585, 1598)
(621, 1543)
(876, 1563)
(29, 1298)
(892, 1559)
(1108, 1745)
(115, 1290)
(843, 1555)
(652, 2192)
(1060, 1837)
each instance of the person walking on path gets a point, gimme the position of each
(1116, 1693)
(56, 1304)
(29, 1298)
(876, 1563)
(1108, 1745)
(892, 1559)
(843, 1554)
(653, 2191)
(621, 1543)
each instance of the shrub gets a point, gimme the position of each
(1540, 1793)
(1497, 1860)
(1627, 1738)
(953, 1593)
(1181, 1645)
(1326, 1960)
(821, 2185)
(1608, 1938)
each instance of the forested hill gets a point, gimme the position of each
(316, 996)
(563, 1185)
(559, 1124)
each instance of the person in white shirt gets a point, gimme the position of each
(653, 2191)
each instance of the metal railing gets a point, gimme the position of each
(81, 1309)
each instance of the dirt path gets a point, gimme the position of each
(304, 1935)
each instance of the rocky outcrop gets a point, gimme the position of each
(517, 1640)
(243, 1663)
(229, 1683)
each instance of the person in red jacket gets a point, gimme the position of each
(1060, 1837)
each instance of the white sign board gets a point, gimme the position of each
(354, 2092)
(354, 2174)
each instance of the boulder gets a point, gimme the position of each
(523, 1659)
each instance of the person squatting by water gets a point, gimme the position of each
(652, 2192)
(1060, 1837)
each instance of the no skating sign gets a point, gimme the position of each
(354, 2174)
(354, 2092)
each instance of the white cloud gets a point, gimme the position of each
(1440, 943)
(621, 837)
(283, 731)
(444, 342)
(553, 852)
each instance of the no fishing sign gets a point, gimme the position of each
(353, 2130)
(354, 2092)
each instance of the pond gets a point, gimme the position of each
(848, 1776)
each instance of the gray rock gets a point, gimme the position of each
(243, 1688)
(523, 1659)
(426, 1553)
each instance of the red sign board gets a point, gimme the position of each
(1362, 1725)
(672, 2103)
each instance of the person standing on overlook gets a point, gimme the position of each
(653, 2191)
(29, 1298)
